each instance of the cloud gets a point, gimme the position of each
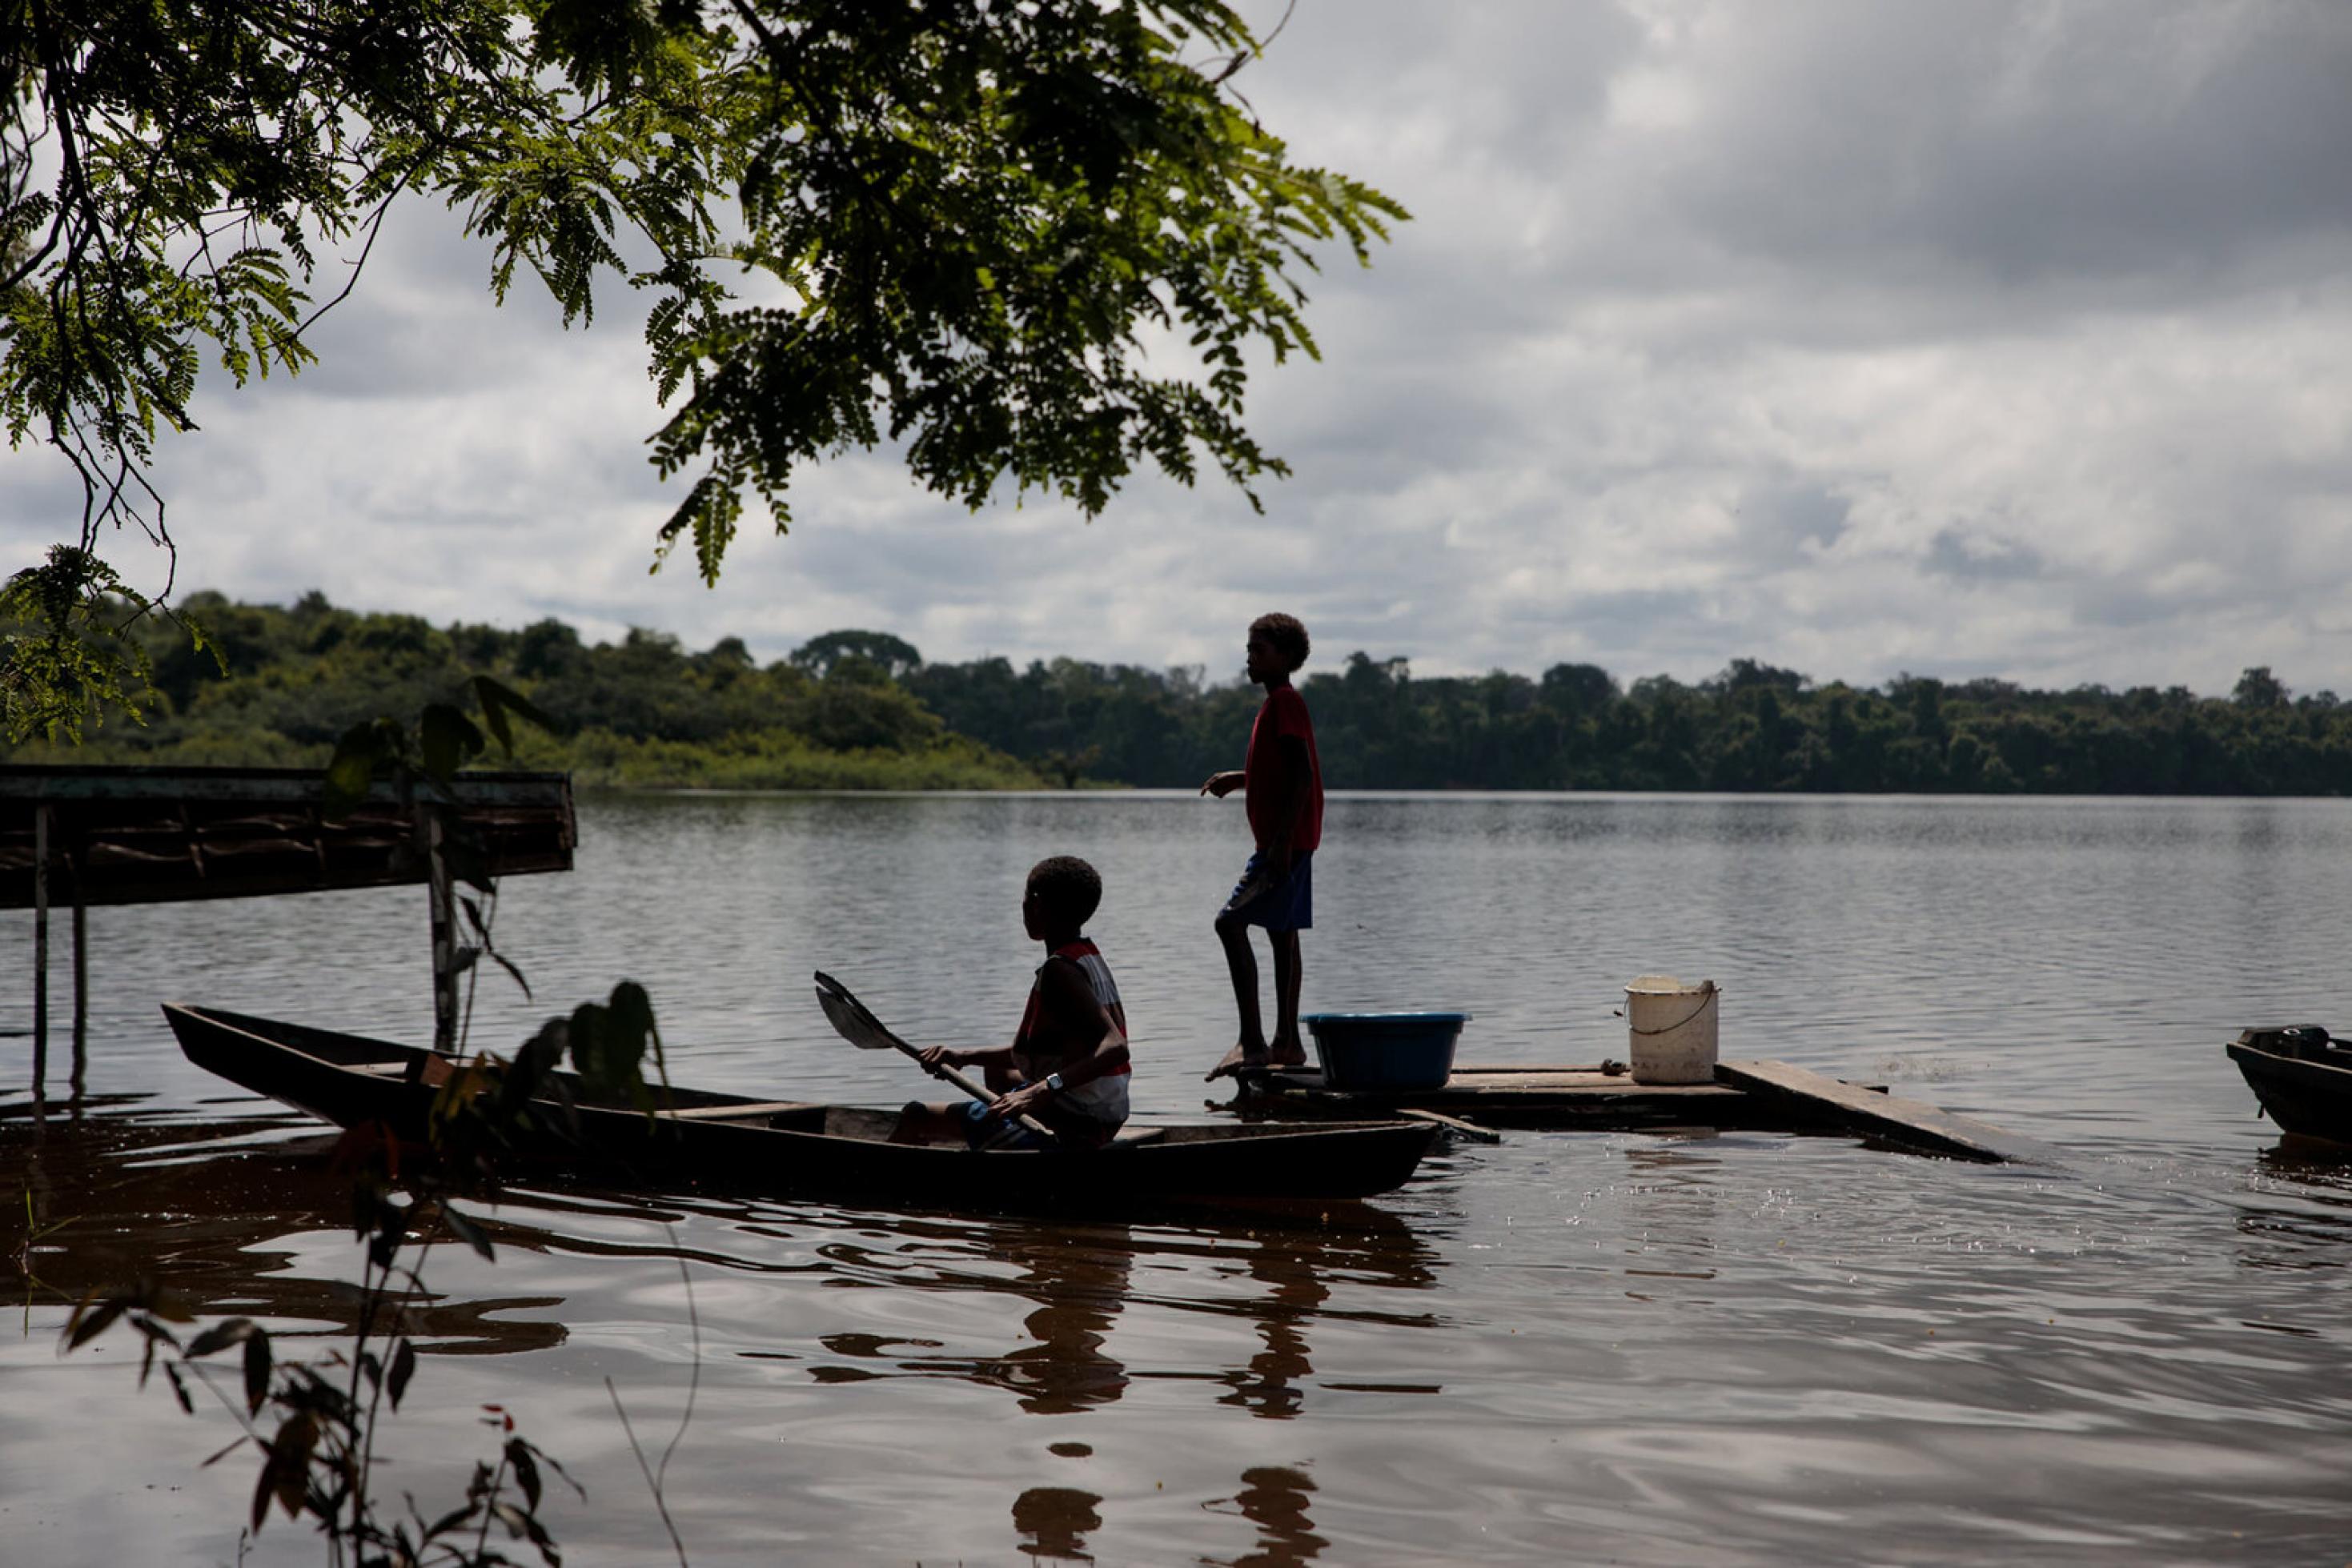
(1997, 338)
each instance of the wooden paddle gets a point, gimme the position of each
(855, 1023)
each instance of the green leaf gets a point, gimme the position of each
(221, 1335)
(286, 1473)
(466, 1230)
(67, 648)
(257, 1370)
(86, 1326)
(149, 1325)
(522, 1457)
(364, 749)
(501, 960)
(463, 855)
(448, 741)
(498, 701)
(456, 1519)
(404, 1367)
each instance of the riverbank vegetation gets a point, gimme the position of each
(1750, 727)
(864, 710)
(641, 713)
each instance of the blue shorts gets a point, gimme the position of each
(983, 1130)
(1287, 905)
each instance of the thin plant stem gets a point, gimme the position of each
(656, 1476)
(473, 972)
(693, 1370)
(497, 1484)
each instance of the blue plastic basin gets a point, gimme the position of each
(1385, 1050)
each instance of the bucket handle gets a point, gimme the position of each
(1712, 991)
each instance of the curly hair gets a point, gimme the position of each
(1285, 634)
(1066, 888)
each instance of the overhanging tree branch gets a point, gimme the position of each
(968, 212)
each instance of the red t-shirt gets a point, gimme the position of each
(1284, 712)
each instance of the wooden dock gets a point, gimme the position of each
(1765, 1096)
(144, 835)
(76, 837)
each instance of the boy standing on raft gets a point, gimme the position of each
(1283, 780)
(1067, 1065)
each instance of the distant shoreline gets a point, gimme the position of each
(862, 711)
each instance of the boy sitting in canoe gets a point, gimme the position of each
(1067, 1065)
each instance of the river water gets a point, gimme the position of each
(1679, 1348)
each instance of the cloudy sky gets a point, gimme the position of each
(2008, 338)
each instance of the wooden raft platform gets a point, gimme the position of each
(1764, 1096)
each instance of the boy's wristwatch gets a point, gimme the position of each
(1054, 1082)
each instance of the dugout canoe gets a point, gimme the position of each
(2302, 1076)
(791, 1148)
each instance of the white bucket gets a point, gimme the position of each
(1672, 1028)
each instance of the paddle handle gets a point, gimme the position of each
(867, 1029)
(976, 1092)
(1470, 1130)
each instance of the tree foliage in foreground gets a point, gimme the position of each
(955, 225)
(862, 709)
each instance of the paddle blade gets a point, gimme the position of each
(850, 1018)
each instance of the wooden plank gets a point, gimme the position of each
(1478, 1079)
(1762, 1095)
(1479, 1084)
(1553, 1099)
(1520, 1067)
(1914, 1123)
(1524, 1082)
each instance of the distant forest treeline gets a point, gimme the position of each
(862, 709)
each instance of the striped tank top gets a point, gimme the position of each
(1105, 1099)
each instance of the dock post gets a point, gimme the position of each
(40, 949)
(82, 993)
(444, 937)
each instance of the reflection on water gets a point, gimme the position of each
(243, 1219)
(1274, 1498)
(1053, 1522)
(1080, 1276)
(1076, 1275)
(230, 1227)
(1269, 1384)
(2298, 1214)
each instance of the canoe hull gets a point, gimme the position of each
(2307, 1097)
(790, 1149)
